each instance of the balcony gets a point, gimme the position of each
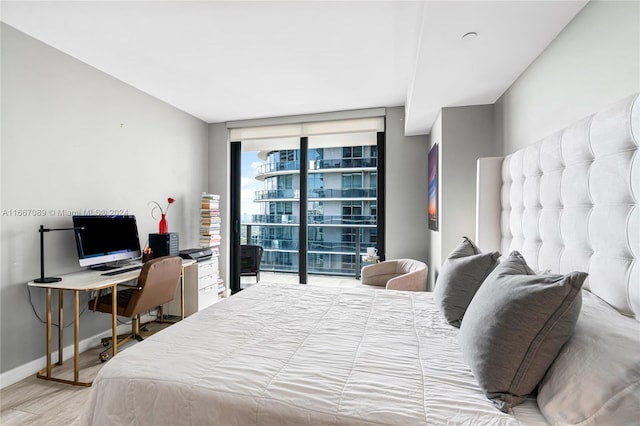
(317, 165)
(344, 163)
(276, 194)
(370, 193)
(282, 166)
(316, 194)
(313, 219)
(326, 256)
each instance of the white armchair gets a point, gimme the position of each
(398, 274)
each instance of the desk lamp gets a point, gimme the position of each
(42, 278)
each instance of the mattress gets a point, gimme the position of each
(278, 354)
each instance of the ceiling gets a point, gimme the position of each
(233, 60)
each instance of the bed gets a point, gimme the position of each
(278, 354)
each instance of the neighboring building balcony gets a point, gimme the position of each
(359, 193)
(267, 219)
(277, 194)
(333, 164)
(325, 256)
(314, 220)
(316, 194)
(344, 163)
(276, 168)
(342, 220)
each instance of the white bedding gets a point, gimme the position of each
(279, 354)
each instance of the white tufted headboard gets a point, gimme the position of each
(570, 202)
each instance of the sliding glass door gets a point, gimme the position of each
(342, 202)
(270, 204)
(314, 204)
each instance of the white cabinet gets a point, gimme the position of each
(203, 285)
(208, 277)
(202, 288)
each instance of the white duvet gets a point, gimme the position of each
(279, 354)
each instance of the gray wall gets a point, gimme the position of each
(74, 138)
(406, 232)
(594, 62)
(464, 134)
(219, 157)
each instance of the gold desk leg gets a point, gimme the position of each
(114, 318)
(60, 325)
(46, 372)
(48, 297)
(182, 294)
(76, 336)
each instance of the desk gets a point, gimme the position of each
(86, 280)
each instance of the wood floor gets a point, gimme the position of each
(34, 401)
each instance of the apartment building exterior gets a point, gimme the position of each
(341, 209)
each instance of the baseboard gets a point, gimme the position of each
(31, 368)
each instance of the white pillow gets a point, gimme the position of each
(596, 377)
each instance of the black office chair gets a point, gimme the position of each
(250, 258)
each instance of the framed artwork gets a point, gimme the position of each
(433, 188)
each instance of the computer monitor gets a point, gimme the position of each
(104, 239)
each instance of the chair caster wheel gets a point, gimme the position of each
(104, 357)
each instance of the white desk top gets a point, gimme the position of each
(94, 280)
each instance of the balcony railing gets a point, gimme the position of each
(344, 193)
(314, 219)
(342, 220)
(342, 258)
(328, 164)
(272, 218)
(343, 163)
(279, 194)
(276, 194)
(278, 167)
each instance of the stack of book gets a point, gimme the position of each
(210, 220)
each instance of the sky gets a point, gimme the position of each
(249, 184)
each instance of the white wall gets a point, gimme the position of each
(74, 138)
(594, 62)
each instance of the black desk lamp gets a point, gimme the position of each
(42, 278)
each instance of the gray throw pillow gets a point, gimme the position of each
(462, 274)
(515, 326)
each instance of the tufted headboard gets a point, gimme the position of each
(570, 202)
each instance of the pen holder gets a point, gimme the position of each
(147, 256)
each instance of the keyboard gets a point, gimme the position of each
(122, 271)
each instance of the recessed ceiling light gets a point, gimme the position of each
(470, 35)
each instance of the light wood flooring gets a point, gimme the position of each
(33, 401)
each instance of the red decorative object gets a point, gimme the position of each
(163, 226)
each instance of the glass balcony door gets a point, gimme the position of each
(341, 202)
(270, 203)
(312, 203)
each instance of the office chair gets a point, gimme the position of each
(156, 286)
(250, 258)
